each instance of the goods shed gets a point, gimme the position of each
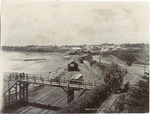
(73, 66)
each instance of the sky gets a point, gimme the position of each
(64, 22)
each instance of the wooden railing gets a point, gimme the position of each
(58, 81)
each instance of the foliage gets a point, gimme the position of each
(130, 58)
(126, 55)
(138, 45)
(114, 76)
(93, 99)
(119, 105)
(137, 98)
(90, 101)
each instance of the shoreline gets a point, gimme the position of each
(49, 62)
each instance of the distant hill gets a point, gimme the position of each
(33, 48)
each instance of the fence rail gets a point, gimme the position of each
(58, 81)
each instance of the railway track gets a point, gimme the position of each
(104, 103)
(36, 101)
(39, 100)
(107, 109)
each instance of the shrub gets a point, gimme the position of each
(95, 97)
(114, 76)
(91, 99)
(125, 55)
(136, 100)
(138, 96)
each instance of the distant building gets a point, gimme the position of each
(73, 66)
(76, 48)
(86, 56)
(66, 57)
(104, 50)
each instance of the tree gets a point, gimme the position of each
(130, 58)
(90, 100)
(138, 96)
(114, 76)
(136, 100)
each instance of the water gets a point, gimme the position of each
(31, 62)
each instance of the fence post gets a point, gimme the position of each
(12, 76)
(84, 85)
(42, 80)
(59, 81)
(48, 78)
(68, 83)
(34, 78)
(79, 85)
(20, 77)
(50, 81)
(16, 76)
(27, 77)
(64, 80)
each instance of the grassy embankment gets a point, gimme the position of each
(137, 57)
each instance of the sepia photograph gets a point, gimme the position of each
(74, 57)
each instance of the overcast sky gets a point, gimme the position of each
(46, 23)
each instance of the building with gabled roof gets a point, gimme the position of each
(73, 66)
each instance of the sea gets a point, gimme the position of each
(40, 63)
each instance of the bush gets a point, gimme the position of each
(95, 97)
(90, 100)
(136, 100)
(125, 55)
(130, 58)
(138, 96)
(114, 75)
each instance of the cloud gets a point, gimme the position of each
(46, 23)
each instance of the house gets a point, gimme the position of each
(73, 66)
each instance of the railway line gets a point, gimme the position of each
(56, 97)
(29, 107)
(59, 101)
(108, 104)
